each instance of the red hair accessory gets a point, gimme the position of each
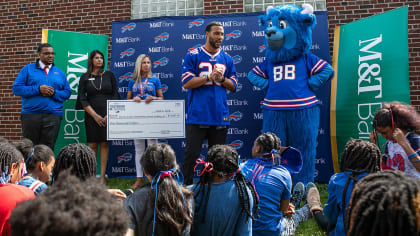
(166, 174)
(208, 166)
(236, 172)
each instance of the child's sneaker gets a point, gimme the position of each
(309, 185)
(314, 201)
(297, 194)
(128, 192)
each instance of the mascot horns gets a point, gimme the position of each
(307, 9)
(268, 9)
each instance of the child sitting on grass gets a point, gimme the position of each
(224, 200)
(273, 184)
(80, 160)
(164, 207)
(358, 160)
(400, 125)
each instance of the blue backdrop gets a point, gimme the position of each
(167, 39)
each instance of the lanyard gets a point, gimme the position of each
(142, 88)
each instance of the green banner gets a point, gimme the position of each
(72, 52)
(371, 66)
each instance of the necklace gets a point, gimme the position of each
(100, 85)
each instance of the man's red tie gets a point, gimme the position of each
(46, 70)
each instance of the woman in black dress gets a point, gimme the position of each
(97, 86)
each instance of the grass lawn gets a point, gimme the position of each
(306, 228)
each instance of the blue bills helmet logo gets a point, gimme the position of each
(161, 62)
(129, 27)
(236, 116)
(126, 157)
(128, 52)
(233, 35)
(237, 144)
(195, 23)
(237, 59)
(161, 37)
(125, 77)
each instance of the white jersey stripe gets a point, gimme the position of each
(316, 65)
(290, 105)
(35, 185)
(319, 67)
(290, 100)
(186, 75)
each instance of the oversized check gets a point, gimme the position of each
(159, 119)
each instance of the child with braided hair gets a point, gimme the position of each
(77, 157)
(400, 125)
(81, 161)
(384, 203)
(359, 159)
(11, 165)
(39, 160)
(273, 185)
(164, 207)
(224, 200)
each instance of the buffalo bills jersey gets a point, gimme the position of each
(147, 87)
(396, 158)
(288, 82)
(207, 104)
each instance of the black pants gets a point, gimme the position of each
(323, 222)
(195, 137)
(41, 128)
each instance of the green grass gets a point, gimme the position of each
(310, 227)
(306, 228)
(120, 183)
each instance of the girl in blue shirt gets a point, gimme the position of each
(358, 160)
(143, 87)
(273, 184)
(224, 200)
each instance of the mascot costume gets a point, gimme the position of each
(290, 74)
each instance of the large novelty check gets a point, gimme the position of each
(158, 119)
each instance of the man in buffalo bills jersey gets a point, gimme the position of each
(207, 72)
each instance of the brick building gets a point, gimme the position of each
(21, 23)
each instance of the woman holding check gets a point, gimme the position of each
(143, 87)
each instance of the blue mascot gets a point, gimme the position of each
(290, 74)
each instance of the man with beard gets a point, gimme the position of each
(207, 72)
(43, 88)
